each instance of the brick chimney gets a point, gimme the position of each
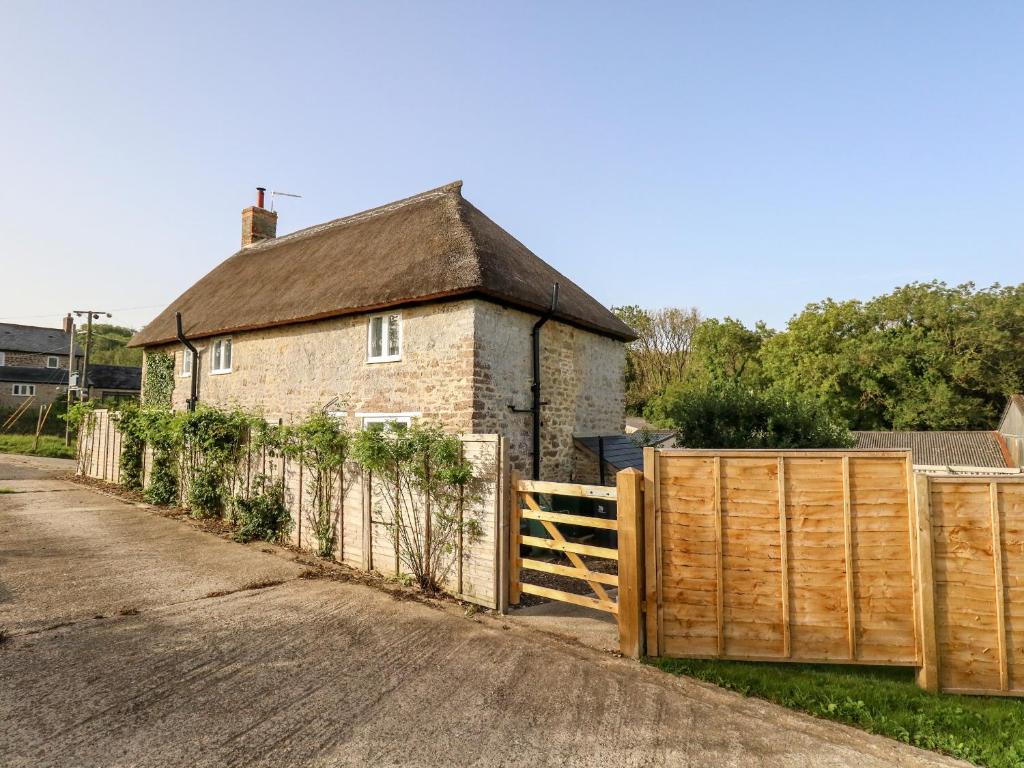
(69, 323)
(257, 222)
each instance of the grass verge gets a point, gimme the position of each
(882, 700)
(49, 446)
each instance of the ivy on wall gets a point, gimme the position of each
(159, 379)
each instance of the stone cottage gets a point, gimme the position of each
(34, 363)
(421, 308)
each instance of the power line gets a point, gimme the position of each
(52, 314)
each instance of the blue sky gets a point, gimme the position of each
(744, 158)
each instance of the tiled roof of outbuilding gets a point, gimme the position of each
(977, 448)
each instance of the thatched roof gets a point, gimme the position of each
(433, 246)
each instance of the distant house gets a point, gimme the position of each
(1011, 428)
(34, 362)
(420, 308)
(114, 382)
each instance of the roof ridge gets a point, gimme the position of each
(452, 188)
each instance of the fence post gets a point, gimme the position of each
(514, 524)
(928, 672)
(630, 511)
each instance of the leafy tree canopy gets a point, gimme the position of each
(109, 345)
(925, 356)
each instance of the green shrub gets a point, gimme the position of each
(131, 424)
(263, 515)
(158, 427)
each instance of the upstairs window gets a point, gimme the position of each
(221, 362)
(384, 338)
(23, 390)
(52, 361)
(186, 362)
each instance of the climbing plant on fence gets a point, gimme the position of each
(159, 386)
(210, 445)
(428, 495)
(322, 444)
(161, 435)
(132, 426)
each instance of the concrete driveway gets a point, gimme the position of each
(135, 642)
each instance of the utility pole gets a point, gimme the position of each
(90, 314)
(69, 323)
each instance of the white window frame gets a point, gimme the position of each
(186, 363)
(384, 357)
(55, 359)
(365, 419)
(23, 390)
(217, 351)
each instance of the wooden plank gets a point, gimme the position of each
(629, 484)
(526, 563)
(514, 526)
(504, 505)
(787, 649)
(801, 453)
(719, 585)
(652, 564)
(569, 547)
(851, 617)
(567, 519)
(567, 489)
(928, 671)
(568, 597)
(997, 564)
(572, 554)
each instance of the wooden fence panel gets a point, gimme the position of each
(799, 555)
(978, 531)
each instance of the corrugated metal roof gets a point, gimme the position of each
(976, 448)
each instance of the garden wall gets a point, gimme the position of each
(362, 540)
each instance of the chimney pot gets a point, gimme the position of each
(259, 196)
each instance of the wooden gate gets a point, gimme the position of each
(616, 593)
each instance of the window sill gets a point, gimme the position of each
(396, 359)
(217, 373)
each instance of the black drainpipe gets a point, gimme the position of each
(535, 387)
(191, 402)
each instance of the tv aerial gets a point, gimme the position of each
(274, 194)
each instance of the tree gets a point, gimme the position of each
(728, 414)
(661, 352)
(926, 356)
(726, 350)
(109, 345)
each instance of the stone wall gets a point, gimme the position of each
(45, 393)
(286, 372)
(463, 364)
(582, 382)
(33, 359)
